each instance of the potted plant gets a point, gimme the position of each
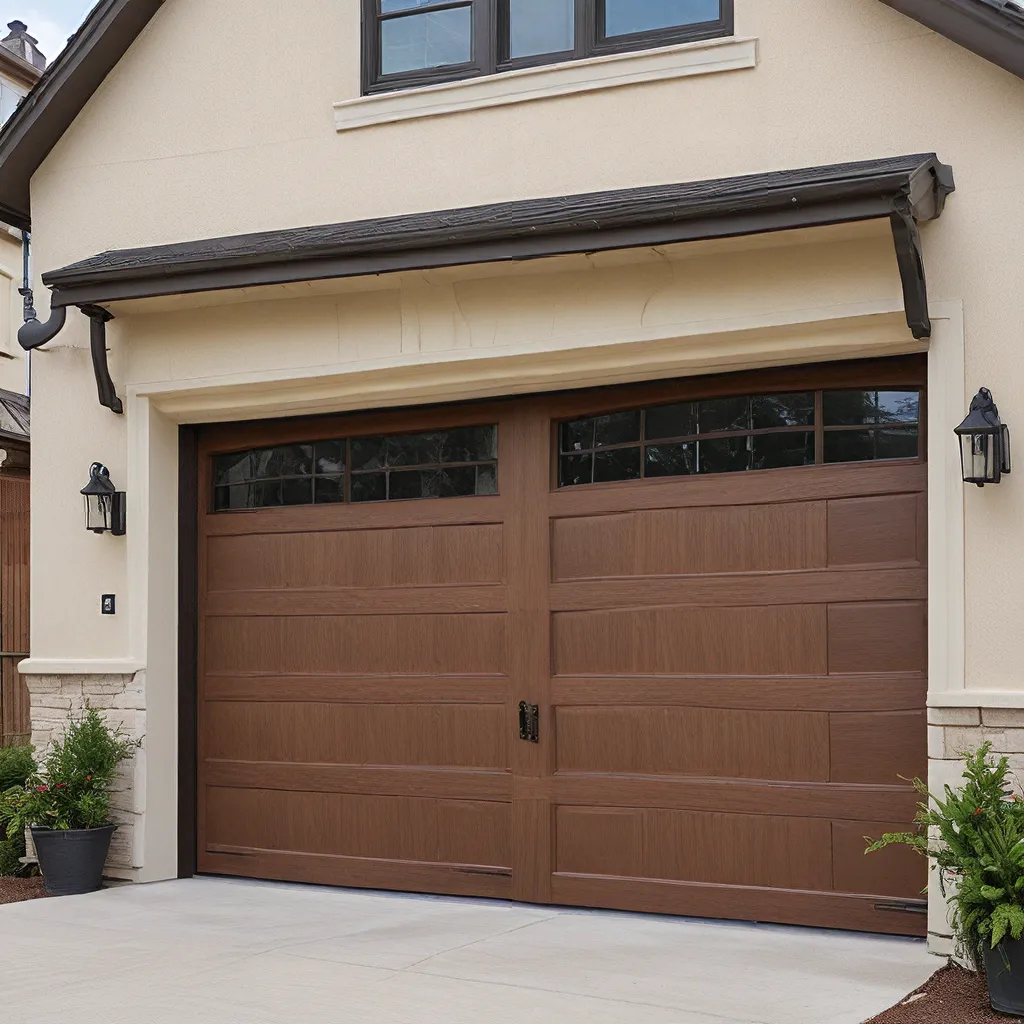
(975, 835)
(66, 804)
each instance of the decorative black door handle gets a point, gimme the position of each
(529, 722)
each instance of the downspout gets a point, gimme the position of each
(33, 334)
(26, 294)
(98, 320)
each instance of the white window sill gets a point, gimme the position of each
(664, 64)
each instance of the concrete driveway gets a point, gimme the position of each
(208, 951)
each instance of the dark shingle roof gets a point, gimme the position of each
(15, 415)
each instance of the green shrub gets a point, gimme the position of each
(17, 765)
(975, 836)
(71, 789)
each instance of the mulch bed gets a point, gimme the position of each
(953, 996)
(16, 890)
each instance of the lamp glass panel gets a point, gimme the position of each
(978, 457)
(97, 512)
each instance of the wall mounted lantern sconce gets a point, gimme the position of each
(104, 504)
(984, 442)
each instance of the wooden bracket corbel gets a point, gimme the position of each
(98, 320)
(910, 257)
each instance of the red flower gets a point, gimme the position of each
(40, 789)
(61, 785)
(88, 778)
(977, 810)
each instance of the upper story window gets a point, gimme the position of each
(10, 96)
(420, 42)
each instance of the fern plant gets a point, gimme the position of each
(975, 836)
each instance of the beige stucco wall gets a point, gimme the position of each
(217, 122)
(12, 358)
(152, 159)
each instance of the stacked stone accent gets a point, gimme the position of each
(122, 702)
(951, 731)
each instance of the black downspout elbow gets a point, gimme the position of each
(32, 333)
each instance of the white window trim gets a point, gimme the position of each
(665, 63)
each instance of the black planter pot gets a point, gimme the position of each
(72, 862)
(1004, 967)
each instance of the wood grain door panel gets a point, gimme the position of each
(707, 742)
(439, 735)
(424, 556)
(354, 683)
(374, 827)
(686, 541)
(730, 673)
(783, 640)
(357, 644)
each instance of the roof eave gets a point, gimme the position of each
(903, 190)
(996, 35)
(525, 229)
(61, 93)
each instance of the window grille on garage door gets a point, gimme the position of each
(740, 434)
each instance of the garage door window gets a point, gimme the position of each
(740, 434)
(863, 426)
(440, 464)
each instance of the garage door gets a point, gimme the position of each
(659, 648)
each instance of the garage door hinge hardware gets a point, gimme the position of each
(904, 906)
(529, 722)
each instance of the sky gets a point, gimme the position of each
(50, 21)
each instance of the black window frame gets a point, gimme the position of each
(817, 426)
(490, 42)
(349, 471)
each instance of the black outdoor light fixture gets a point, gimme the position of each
(104, 504)
(984, 442)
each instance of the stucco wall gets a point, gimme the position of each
(12, 358)
(154, 159)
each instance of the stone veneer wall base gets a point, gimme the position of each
(121, 699)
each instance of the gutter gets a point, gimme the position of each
(904, 190)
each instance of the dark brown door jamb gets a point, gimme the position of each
(188, 589)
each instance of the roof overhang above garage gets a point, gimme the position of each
(902, 190)
(906, 190)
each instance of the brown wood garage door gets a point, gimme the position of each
(713, 590)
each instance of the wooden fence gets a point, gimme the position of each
(15, 717)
